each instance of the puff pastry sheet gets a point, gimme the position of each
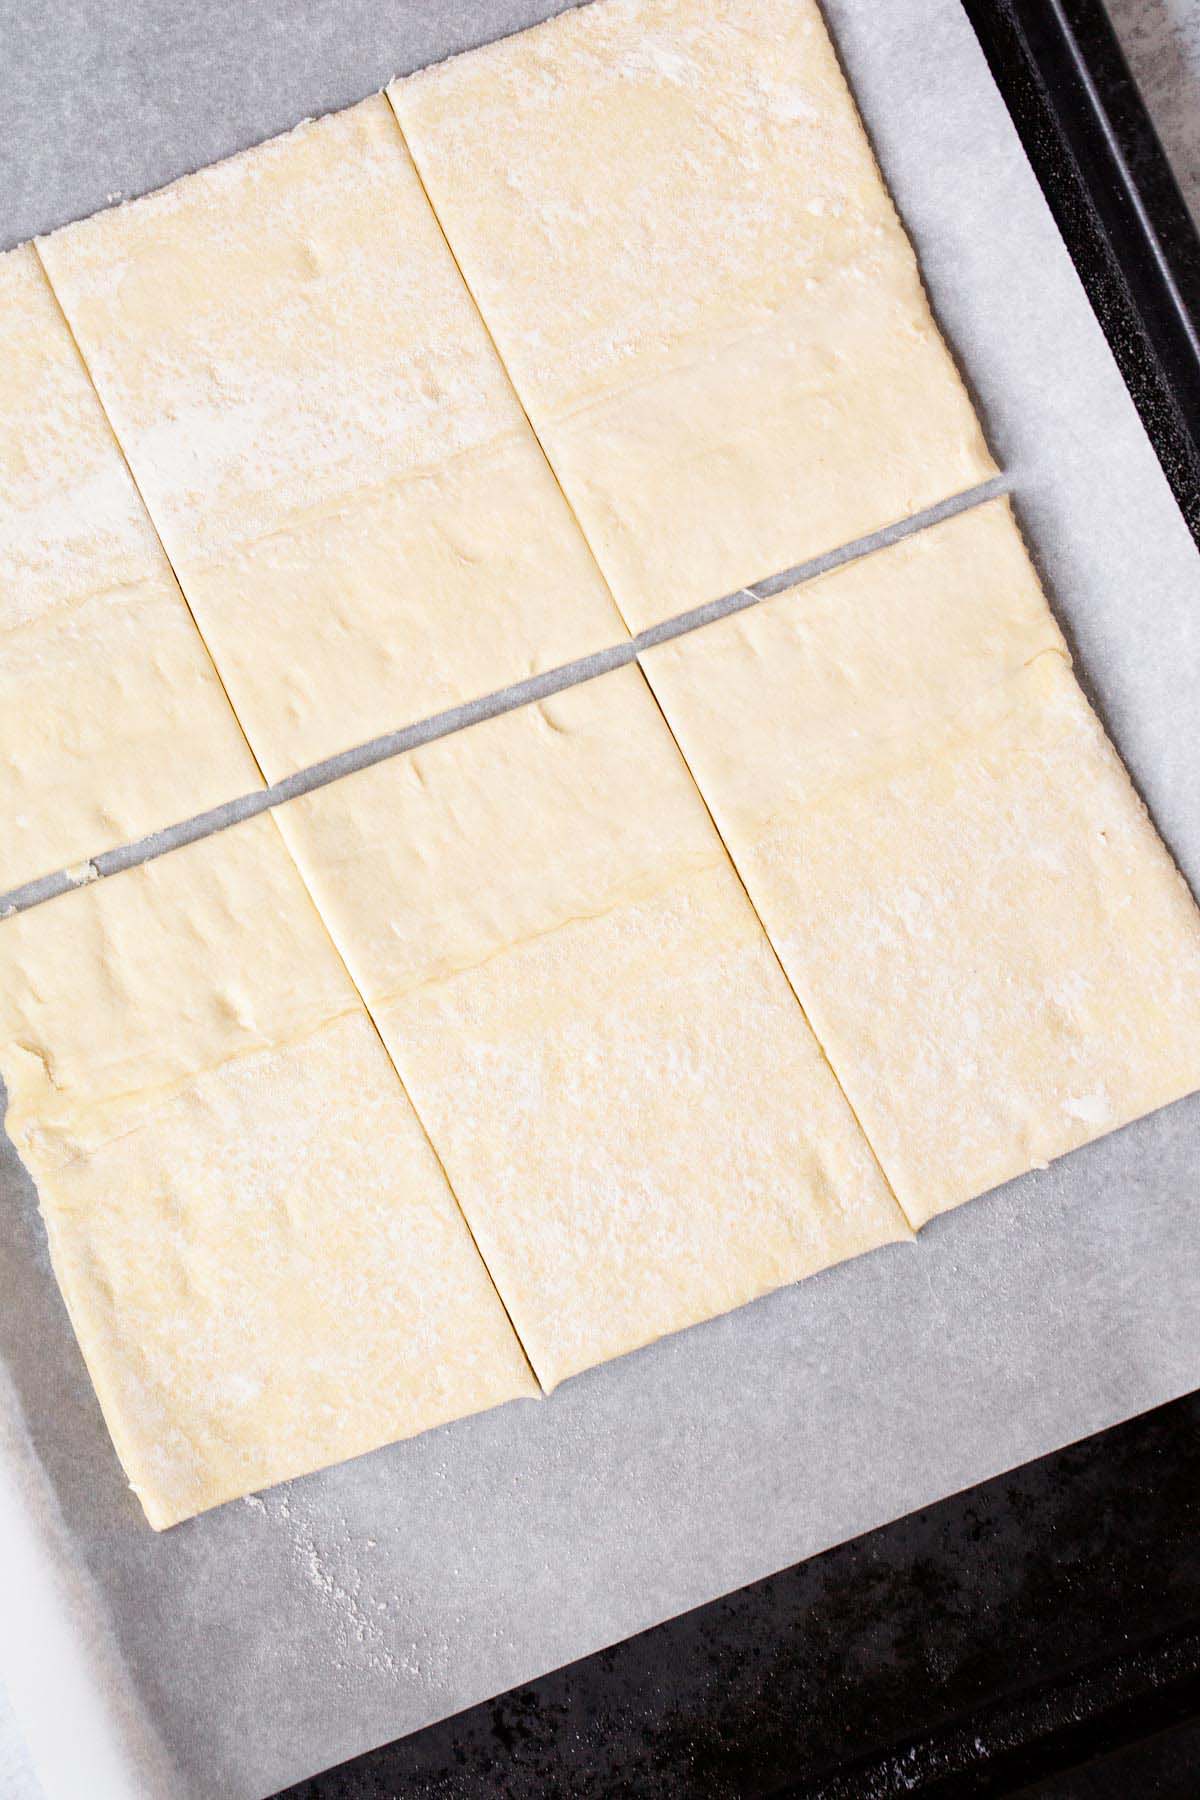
(993, 946)
(264, 1266)
(625, 1095)
(346, 484)
(672, 221)
(112, 719)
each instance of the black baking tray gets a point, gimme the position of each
(1038, 1634)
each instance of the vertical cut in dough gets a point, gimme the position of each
(264, 1266)
(672, 221)
(344, 479)
(112, 719)
(629, 1104)
(993, 946)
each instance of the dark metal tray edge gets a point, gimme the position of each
(1036, 1633)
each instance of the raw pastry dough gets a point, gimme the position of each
(350, 493)
(994, 948)
(264, 1266)
(623, 1090)
(112, 719)
(671, 219)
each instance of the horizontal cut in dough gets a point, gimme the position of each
(342, 475)
(264, 1266)
(672, 221)
(630, 1107)
(993, 946)
(112, 719)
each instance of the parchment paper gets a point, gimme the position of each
(273, 1637)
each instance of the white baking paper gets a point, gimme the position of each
(257, 1644)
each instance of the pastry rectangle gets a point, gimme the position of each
(347, 486)
(625, 1095)
(112, 720)
(994, 948)
(672, 221)
(262, 1261)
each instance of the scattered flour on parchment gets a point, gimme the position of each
(333, 1564)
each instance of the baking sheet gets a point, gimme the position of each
(275, 1636)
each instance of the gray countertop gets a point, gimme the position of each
(1161, 40)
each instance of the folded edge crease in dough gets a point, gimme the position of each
(264, 1266)
(113, 722)
(362, 520)
(627, 1099)
(670, 217)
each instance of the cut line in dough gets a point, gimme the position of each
(113, 722)
(671, 219)
(914, 789)
(361, 518)
(628, 1102)
(262, 1261)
